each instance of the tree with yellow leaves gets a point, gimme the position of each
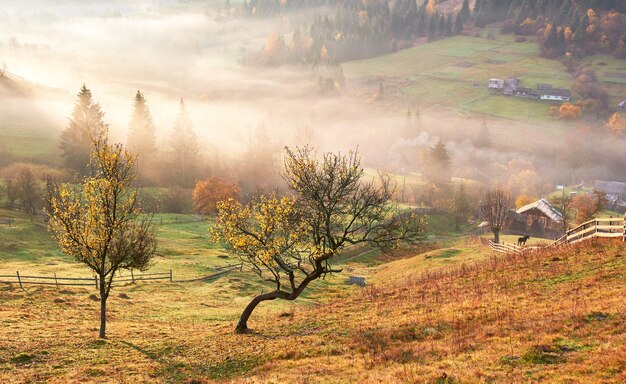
(291, 241)
(617, 123)
(96, 221)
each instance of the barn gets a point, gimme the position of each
(542, 219)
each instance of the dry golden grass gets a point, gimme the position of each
(553, 317)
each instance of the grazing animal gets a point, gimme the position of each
(522, 240)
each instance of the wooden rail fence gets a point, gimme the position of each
(612, 228)
(58, 281)
(603, 228)
(511, 248)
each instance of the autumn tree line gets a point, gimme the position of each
(357, 30)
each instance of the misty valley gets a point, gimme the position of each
(312, 191)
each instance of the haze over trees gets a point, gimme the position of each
(184, 147)
(85, 125)
(141, 132)
(97, 221)
(291, 241)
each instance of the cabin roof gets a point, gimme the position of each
(542, 206)
(557, 92)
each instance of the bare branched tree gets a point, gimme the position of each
(494, 209)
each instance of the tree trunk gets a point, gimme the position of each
(103, 308)
(496, 236)
(242, 324)
(103, 317)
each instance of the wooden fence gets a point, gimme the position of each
(602, 228)
(611, 228)
(58, 281)
(511, 248)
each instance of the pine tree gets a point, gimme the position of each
(432, 27)
(449, 26)
(421, 22)
(477, 7)
(465, 10)
(442, 26)
(85, 126)
(460, 206)
(439, 155)
(141, 131)
(184, 144)
(458, 24)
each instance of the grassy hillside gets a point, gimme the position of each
(611, 74)
(454, 72)
(470, 319)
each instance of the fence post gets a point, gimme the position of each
(19, 280)
(56, 281)
(171, 276)
(132, 276)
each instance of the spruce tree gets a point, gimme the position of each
(85, 126)
(460, 206)
(465, 10)
(432, 27)
(141, 131)
(184, 145)
(458, 24)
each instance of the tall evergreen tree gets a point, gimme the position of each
(184, 145)
(465, 10)
(460, 206)
(141, 131)
(432, 27)
(458, 24)
(85, 125)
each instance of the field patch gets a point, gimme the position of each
(454, 73)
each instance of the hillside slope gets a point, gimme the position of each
(547, 317)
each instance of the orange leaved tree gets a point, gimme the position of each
(208, 192)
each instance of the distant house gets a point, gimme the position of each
(542, 219)
(497, 84)
(622, 105)
(526, 93)
(614, 191)
(556, 94)
(511, 86)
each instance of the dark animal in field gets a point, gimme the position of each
(522, 240)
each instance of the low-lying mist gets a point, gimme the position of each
(173, 49)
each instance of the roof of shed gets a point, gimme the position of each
(543, 206)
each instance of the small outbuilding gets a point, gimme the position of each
(622, 105)
(497, 84)
(542, 219)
